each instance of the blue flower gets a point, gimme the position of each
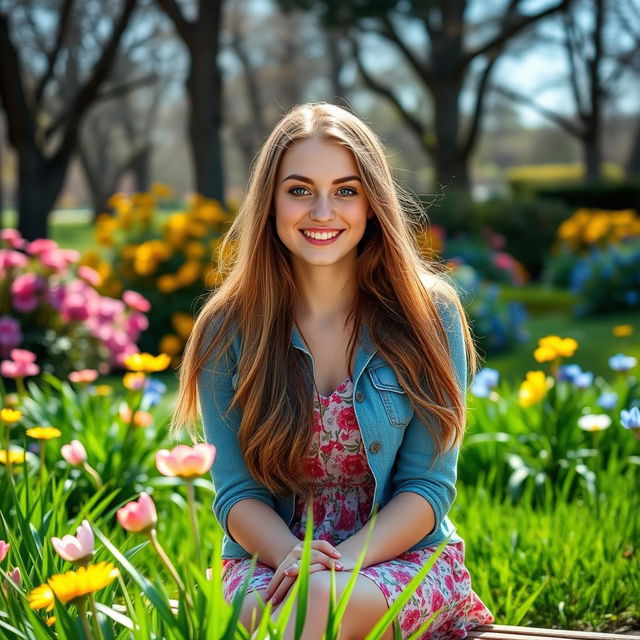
(607, 400)
(583, 380)
(569, 372)
(486, 379)
(153, 391)
(630, 419)
(622, 363)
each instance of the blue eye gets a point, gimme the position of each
(351, 190)
(292, 191)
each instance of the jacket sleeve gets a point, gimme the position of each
(231, 478)
(414, 471)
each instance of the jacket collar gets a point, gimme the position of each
(365, 351)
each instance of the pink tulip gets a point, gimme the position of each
(12, 237)
(83, 375)
(4, 549)
(184, 461)
(74, 453)
(136, 301)
(15, 576)
(138, 516)
(12, 369)
(75, 548)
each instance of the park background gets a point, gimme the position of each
(126, 135)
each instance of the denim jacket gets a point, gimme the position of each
(398, 446)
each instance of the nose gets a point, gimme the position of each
(322, 210)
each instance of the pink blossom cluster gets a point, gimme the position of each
(40, 276)
(21, 364)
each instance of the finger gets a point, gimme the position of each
(282, 590)
(327, 547)
(320, 560)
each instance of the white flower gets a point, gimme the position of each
(594, 422)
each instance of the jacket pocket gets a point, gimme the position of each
(395, 400)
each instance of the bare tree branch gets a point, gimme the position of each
(184, 27)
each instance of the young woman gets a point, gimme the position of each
(331, 367)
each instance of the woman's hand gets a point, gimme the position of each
(323, 556)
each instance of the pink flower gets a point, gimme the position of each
(78, 547)
(25, 289)
(140, 418)
(83, 375)
(10, 335)
(12, 237)
(15, 576)
(89, 275)
(10, 259)
(184, 461)
(136, 301)
(138, 516)
(74, 307)
(21, 365)
(41, 245)
(74, 453)
(4, 549)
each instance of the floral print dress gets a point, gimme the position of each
(343, 495)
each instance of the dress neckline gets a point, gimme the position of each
(336, 389)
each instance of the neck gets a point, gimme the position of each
(326, 293)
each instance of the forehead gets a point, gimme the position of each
(318, 157)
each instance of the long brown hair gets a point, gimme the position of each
(257, 296)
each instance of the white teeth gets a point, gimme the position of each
(320, 236)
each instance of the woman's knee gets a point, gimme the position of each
(251, 609)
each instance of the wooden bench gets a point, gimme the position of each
(505, 632)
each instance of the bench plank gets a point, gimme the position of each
(506, 632)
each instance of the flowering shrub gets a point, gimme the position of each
(170, 262)
(549, 444)
(50, 306)
(497, 325)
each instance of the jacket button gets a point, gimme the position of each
(375, 446)
(359, 396)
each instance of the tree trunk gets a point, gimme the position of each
(592, 155)
(141, 168)
(35, 204)
(632, 165)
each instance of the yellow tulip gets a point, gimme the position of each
(10, 415)
(532, 389)
(146, 362)
(43, 433)
(15, 457)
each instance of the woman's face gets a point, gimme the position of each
(319, 193)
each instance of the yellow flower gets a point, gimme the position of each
(146, 362)
(167, 283)
(182, 323)
(188, 273)
(160, 190)
(41, 598)
(622, 330)
(134, 381)
(10, 415)
(43, 433)
(171, 344)
(102, 390)
(544, 354)
(532, 389)
(194, 250)
(72, 584)
(51, 620)
(15, 457)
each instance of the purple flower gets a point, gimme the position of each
(10, 335)
(569, 372)
(583, 380)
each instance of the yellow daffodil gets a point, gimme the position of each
(532, 389)
(10, 415)
(146, 362)
(51, 620)
(544, 354)
(72, 584)
(183, 323)
(15, 457)
(564, 347)
(160, 190)
(43, 433)
(622, 330)
(167, 283)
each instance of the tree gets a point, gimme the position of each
(442, 66)
(595, 63)
(201, 36)
(44, 115)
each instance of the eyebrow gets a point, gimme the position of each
(295, 176)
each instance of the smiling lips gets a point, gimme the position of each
(321, 237)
